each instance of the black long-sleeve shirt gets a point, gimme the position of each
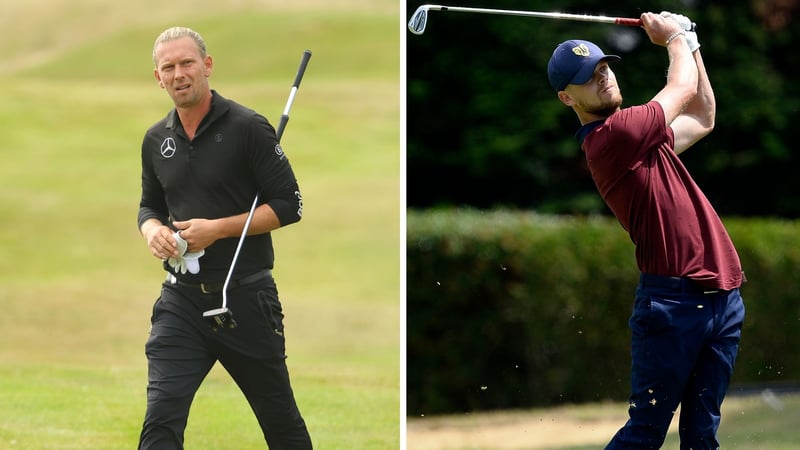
(234, 155)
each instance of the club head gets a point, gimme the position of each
(220, 318)
(418, 20)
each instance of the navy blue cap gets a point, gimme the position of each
(573, 62)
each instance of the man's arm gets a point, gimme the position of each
(681, 87)
(697, 120)
(201, 233)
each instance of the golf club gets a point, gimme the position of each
(419, 20)
(222, 317)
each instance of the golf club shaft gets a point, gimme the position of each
(279, 133)
(545, 15)
(295, 86)
(419, 19)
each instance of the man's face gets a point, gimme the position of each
(182, 71)
(599, 96)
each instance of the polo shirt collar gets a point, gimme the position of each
(584, 131)
(219, 106)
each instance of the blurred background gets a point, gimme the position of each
(77, 283)
(520, 281)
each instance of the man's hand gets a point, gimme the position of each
(159, 239)
(691, 39)
(682, 20)
(688, 27)
(185, 261)
(177, 262)
(199, 233)
(659, 28)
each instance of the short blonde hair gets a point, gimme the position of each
(177, 33)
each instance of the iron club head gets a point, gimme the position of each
(220, 318)
(418, 20)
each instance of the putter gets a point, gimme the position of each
(222, 317)
(419, 19)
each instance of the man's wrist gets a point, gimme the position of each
(673, 36)
(150, 224)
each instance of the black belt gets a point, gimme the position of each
(216, 287)
(674, 283)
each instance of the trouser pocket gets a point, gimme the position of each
(272, 312)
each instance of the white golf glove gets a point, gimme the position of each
(691, 40)
(192, 260)
(688, 27)
(185, 261)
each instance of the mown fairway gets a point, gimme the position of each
(764, 421)
(77, 281)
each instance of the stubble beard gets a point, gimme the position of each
(187, 100)
(606, 108)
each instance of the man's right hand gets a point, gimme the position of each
(159, 239)
(659, 28)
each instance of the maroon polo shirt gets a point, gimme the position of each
(673, 225)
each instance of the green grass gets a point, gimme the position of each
(78, 282)
(748, 422)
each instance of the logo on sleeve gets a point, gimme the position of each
(299, 203)
(168, 148)
(279, 151)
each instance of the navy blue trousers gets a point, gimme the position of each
(684, 344)
(183, 347)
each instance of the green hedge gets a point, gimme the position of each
(512, 309)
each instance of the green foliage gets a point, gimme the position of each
(480, 107)
(770, 254)
(513, 309)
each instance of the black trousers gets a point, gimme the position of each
(183, 347)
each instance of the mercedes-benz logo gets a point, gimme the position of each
(168, 148)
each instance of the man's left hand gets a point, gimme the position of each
(687, 25)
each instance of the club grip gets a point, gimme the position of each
(282, 126)
(301, 70)
(628, 22)
(295, 86)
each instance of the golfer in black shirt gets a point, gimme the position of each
(202, 166)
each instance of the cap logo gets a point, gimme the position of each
(581, 50)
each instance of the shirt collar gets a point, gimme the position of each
(584, 131)
(219, 106)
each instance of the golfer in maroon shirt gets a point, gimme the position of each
(687, 317)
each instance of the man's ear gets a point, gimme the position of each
(158, 78)
(209, 63)
(565, 98)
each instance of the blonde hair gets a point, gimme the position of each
(177, 33)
